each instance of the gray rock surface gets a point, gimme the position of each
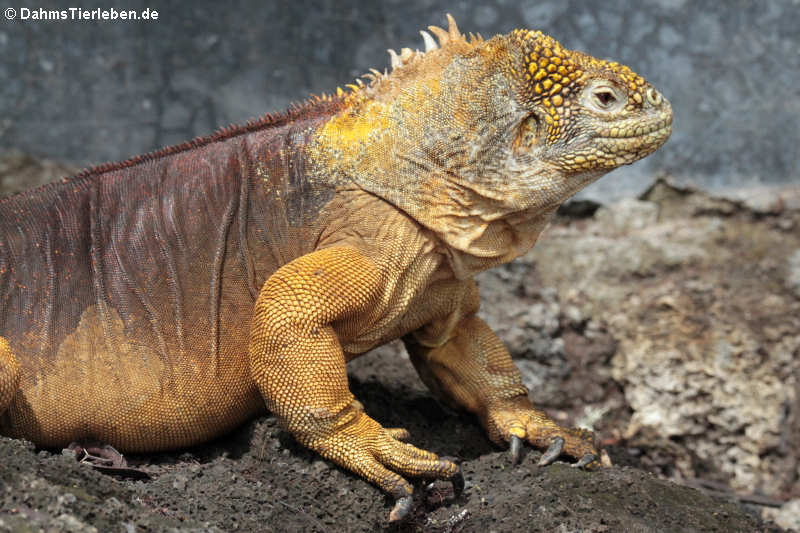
(786, 516)
(708, 336)
(92, 91)
(793, 272)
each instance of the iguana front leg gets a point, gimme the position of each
(298, 364)
(474, 371)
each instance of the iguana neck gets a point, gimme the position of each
(420, 143)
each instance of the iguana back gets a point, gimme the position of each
(127, 288)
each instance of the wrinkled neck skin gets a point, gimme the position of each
(444, 155)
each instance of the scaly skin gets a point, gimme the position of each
(156, 303)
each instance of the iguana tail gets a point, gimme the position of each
(9, 375)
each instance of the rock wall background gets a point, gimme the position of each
(89, 92)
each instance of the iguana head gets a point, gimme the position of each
(585, 114)
(479, 140)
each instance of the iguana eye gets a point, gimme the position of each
(602, 96)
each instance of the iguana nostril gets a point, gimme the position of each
(653, 97)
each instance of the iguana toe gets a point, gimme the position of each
(456, 479)
(401, 509)
(514, 449)
(398, 433)
(360, 444)
(589, 461)
(553, 452)
(514, 420)
(577, 443)
(458, 483)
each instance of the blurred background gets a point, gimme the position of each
(85, 92)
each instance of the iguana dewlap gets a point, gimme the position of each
(158, 302)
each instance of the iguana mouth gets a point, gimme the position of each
(637, 129)
(630, 141)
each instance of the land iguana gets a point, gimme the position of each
(158, 302)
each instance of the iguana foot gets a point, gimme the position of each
(363, 446)
(515, 420)
(552, 453)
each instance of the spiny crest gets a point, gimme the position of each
(315, 105)
(450, 37)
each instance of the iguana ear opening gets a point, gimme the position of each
(530, 134)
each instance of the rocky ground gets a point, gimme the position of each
(669, 324)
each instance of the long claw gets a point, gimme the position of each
(552, 452)
(587, 459)
(514, 448)
(401, 509)
(456, 479)
(458, 483)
